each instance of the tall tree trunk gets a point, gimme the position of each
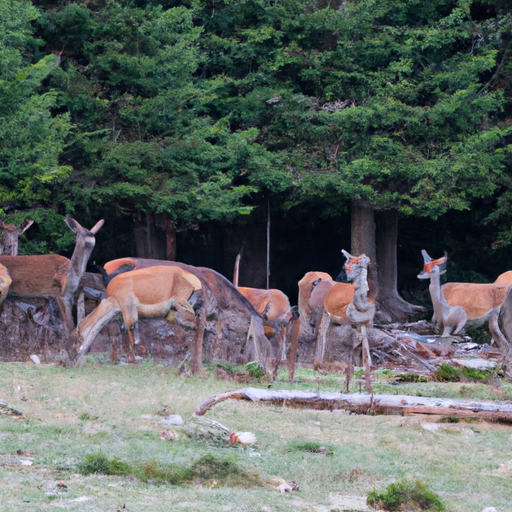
(391, 307)
(363, 230)
(375, 234)
(154, 236)
(170, 238)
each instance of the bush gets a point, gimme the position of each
(447, 373)
(406, 495)
(101, 464)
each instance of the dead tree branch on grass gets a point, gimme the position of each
(368, 404)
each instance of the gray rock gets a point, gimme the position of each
(172, 419)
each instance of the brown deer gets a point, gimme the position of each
(340, 297)
(312, 289)
(480, 301)
(5, 283)
(146, 293)
(52, 275)
(221, 301)
(279, 320)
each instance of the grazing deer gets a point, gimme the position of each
(221, 301)
(52, 275)
(146, 293)
(449, 320)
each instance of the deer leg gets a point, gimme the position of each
(294, 343)
(367, 361)
(321, 338)
(130, 318)
(198, 352)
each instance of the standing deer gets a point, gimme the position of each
(448, 319)
(279, 320)
(52, 275)
(480, 301)
(234, 315)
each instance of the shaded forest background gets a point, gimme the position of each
(187, 124)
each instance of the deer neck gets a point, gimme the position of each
(78, 263)
(435, 292)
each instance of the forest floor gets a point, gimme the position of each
(80, 423)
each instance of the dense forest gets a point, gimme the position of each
(377, 126)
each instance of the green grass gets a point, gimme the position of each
(73, 415)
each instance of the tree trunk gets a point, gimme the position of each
(9, 236)
(150, 234)
(362, 230)
(170, 238)
(391, 307)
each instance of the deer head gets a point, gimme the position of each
(429, 264)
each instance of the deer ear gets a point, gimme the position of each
(347, 255)
(72, 224)
(97, 226)
(426, 257)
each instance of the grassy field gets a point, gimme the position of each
(116, 411)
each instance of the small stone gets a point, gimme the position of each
(35, 359)
(173, 419)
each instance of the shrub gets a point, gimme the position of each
(447, 373)
(406, 495)
(101, 464)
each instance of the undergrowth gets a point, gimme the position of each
(222, 471)
(406, 495)
(447, 373)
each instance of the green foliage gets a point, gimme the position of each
(447, 373)
(406, 495)
(255, 369)
(101, 464)
(225, 470)
(32, 136)
(198, 110)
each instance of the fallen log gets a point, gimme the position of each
(368, 404)
(10, 411)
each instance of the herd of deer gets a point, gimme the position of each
(140, 288)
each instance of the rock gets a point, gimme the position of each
(172, 419)
(431, 427)
(35, 359)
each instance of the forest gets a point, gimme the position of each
(198, 128)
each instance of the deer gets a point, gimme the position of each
(449, 320)
(312, 289)
(5, 283)
(274, 308)
(340, 296)
(145, 293)
(52, 275)
(480, 301)
(220, 301)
